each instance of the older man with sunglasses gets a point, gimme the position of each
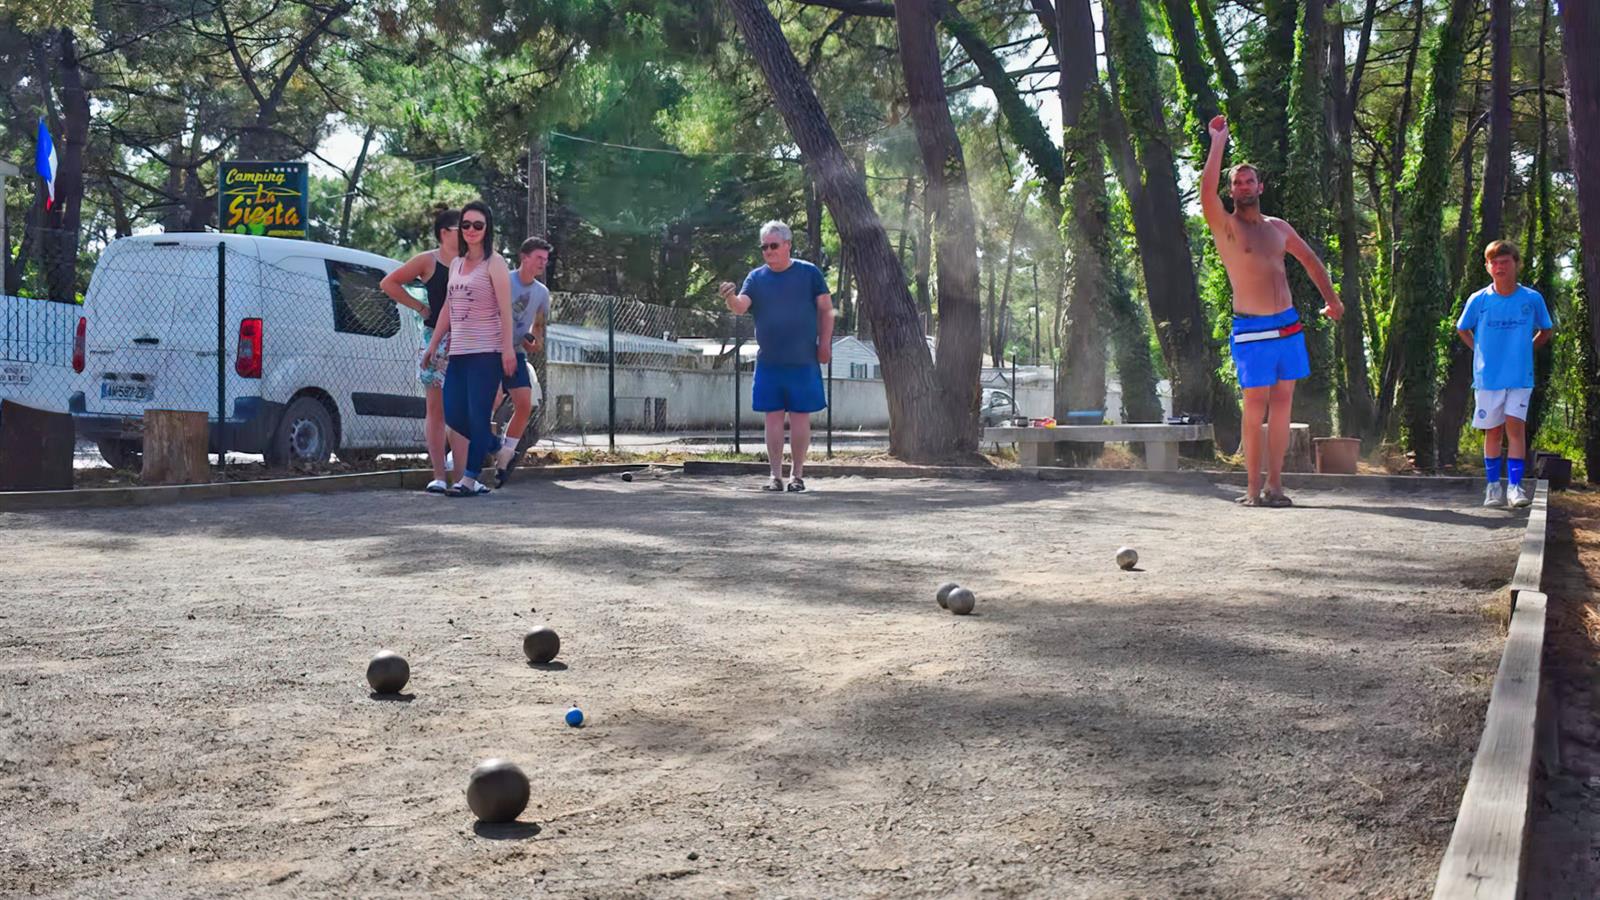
(794, 327)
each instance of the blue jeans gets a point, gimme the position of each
(469, 403)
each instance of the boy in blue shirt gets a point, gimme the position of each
(794, 327)
(1503, 323)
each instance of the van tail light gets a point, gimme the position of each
(80, 340)
(248, 363)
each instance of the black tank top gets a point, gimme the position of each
(436, 285)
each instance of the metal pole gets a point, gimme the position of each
(830, 405)
(222, 354)
(738, 355)
(611, 371)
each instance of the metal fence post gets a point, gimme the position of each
(611, 371)
(222, 354)
(830, 404)
(738, 357)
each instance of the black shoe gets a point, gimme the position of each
(797, 485)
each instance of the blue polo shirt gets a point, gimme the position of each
(1502, 336)
(784, 305)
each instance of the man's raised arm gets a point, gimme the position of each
(1211, 176)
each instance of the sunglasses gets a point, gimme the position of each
(772, 246)
(473, 226)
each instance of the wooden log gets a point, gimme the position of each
(35, 449)
(175, 445)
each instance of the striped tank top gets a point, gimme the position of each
(474, 312)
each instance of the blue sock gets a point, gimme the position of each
(1514, 471)
(1491, 469)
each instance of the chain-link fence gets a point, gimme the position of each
(295, 353)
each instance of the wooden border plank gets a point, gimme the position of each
(1485, 858)
(1530, 561)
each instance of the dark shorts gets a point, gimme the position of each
(519, 377)
(788, 389)
(1265, 362)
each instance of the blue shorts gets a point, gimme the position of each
(788, 389)
(518, 377)
(1263, 363)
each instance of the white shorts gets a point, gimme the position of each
(1494, 407)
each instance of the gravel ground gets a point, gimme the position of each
(1276, 703)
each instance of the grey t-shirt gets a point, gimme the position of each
(526, 302)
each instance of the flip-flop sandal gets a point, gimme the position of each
(1248, 500)
(797, 485)
(458, 490)
(1276, 501)
(437, 486)
(773, 485)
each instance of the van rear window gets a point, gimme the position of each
(359, 305)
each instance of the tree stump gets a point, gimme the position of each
(35, 449)
(1300, 457)
(175, 445)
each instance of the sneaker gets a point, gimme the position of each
(797, 485)
(437, 486)
(774, 484)
(1522, 495)
(1495, 495)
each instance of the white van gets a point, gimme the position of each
(317, 360)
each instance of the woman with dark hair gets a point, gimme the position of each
(477, 319)
(432, 268)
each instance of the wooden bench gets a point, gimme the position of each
(1035, 446)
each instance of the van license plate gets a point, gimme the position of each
(18, 374)
(127, 390)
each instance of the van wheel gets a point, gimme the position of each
(304, 435)
(121, 454)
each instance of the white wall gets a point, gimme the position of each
(695, 399)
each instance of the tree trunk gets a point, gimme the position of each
(1423, 273)
(352, 183)
(1179, 318)
(923, 424)
(1262, 133)
(1457, 392)
(1085, 227)
(905, 219)
(1201, 102)
(1541, 246)
(1580, 27)
(1357, 412)
(35, 449)
(175, 443)
(1304, 202)
(925, 254)
(62, 222)
(813, 226)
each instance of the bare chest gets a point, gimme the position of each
(1255, 241)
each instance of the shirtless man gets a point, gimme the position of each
(1269, 350)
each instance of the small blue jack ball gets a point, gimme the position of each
(575, 717)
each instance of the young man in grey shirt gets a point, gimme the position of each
(530, 313)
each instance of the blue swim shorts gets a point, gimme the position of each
(1269, 349)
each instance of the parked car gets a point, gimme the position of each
(996, 408)
(317, 360)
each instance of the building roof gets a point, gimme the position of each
(595, 339)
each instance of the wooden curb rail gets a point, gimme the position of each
(412, 479)
(1487, 854)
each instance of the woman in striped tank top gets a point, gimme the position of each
(477, 317)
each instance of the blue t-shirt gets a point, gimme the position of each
(1502, 336)
(784, 305)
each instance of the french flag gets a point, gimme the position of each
(45, 162)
